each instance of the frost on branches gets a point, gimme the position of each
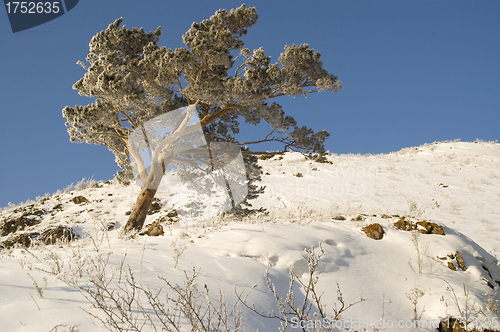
(134, 80)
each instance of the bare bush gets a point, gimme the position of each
(120, 302)
(293, 314)
(125, 304)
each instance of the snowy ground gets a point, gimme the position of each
(404, 279)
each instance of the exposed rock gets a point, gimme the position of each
(39, 212)
(457, 262)
(358, 218)
(497, 282)
(170, 218)
(405, 225)
(425, 226)
(55, 234)
(430, 228)
(155, 229)
(339, 217)
(451, 324)
(172, 214)
(155, 207)
(460, 261)
(320, 158)
(110, 225)
(270, 155)
(299, 175)
(47, 236)
(25, 208)
(13, 225)
(23, 239)
(80, 200)
(374, 231)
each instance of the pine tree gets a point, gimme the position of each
(133, 80)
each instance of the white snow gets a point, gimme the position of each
(453, 184)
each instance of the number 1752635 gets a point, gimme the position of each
(33, 7)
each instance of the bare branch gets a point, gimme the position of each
(209, 118)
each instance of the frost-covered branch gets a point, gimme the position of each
(133, 80)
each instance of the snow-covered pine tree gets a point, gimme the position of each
(133, 80)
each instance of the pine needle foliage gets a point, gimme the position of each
(133, 79)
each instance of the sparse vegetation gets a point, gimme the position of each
(125, 304)
(421, 251)
(414, 296)
(465, 308)
(244, 245)
(290, 312)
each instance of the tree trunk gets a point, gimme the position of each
(141, 208)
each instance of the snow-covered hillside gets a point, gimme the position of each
(404, 278)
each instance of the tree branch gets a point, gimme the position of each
(279, 88)
(181, 130)
(141, 167)
(281, 140)
(134, 125)
(209, 118)
(132, 121)
(116, 133)
(241, 66)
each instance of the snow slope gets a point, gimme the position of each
(453, 184)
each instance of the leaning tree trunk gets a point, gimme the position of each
(159, 160)
(141, 208)
(139, 212)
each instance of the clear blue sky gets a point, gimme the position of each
(414, 72)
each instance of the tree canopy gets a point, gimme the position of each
(133, 79)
